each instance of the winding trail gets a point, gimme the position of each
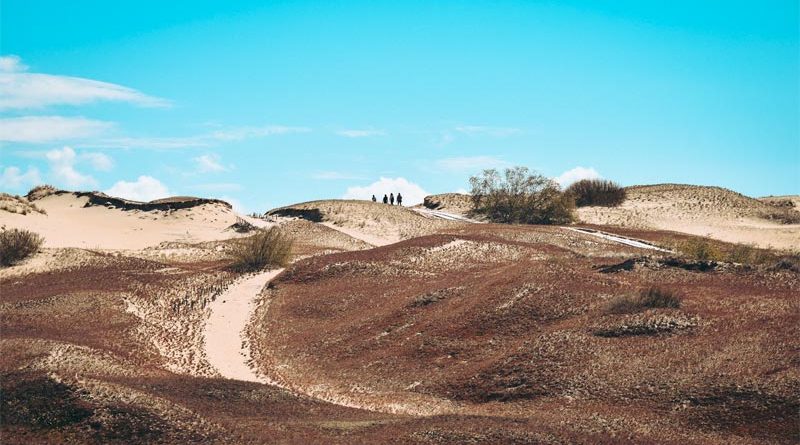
(619, 239)
(226, 347)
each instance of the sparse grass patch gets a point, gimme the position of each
(597, 192)
(699, 249)
(269, 247)
(17, 244)
(652, 297)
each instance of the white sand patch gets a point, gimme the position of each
(226, 346)
(364, 236)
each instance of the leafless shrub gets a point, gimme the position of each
(597, 192)
(266, 248)
(520, 196)
(652, 297)
(17, 244)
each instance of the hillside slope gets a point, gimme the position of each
(95, 220)
(706, 211)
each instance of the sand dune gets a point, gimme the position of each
(706, 211)
(75, 219)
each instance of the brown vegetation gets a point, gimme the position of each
(266, 248)
(650, 298)
(520, 197)
(596, 192)
(17, 244)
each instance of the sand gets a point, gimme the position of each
(225, 346)
(68, 223)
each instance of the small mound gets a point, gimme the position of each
(370, 218)
(452, 202)
(700, 210)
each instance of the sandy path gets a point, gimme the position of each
(618, 239)
(430, 213)
(225, 345)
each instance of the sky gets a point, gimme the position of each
(270, 103)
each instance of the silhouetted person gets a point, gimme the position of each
(391, 198)
(399, 199)
(373, 199)
(385, 199)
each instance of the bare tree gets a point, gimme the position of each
(520, 196)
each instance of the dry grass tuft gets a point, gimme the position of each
(650, 298)
(17, 244)
(269, 247)
(699, 249)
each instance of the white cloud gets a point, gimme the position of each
(145, 188)
(576, 174)
(209, 164)
(37, 129)
(412, 193)
(240, 133)
(201, 140)
(470, 163)
(12, 177)
(360, 133)
(332, 175)
(474, 130)
(99, 161)
(11, 64)
(62, 169)
(20, 90)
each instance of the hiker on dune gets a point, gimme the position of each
(373, 199)
(399, 199)
(385, 199)
(391, 198)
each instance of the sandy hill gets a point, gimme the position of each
(790, 202)
(513, 321)
(96, 220)
(458, 203)
(375, 223)
(707, 211)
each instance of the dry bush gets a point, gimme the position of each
(269, 247)
(652, 297)
(520, 196)
(17, 244)
(747, 254)
(40, 191)
(782, 216)
(699, 249)
(597, 192)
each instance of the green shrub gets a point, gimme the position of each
(520, 196)
(17, 244)
(597, 192)
(269, 247)
(746, 254)
(652, 297)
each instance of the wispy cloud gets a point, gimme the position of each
(20, 89)
(200, 140)
(210, 163)
(360, 133)
(39, 129)
(470, 163)
(332, 175)
(12, 177)
(99, 161)
(576, 174)
(239, 133)
(475, 130)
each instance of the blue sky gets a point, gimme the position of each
(269, 103)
